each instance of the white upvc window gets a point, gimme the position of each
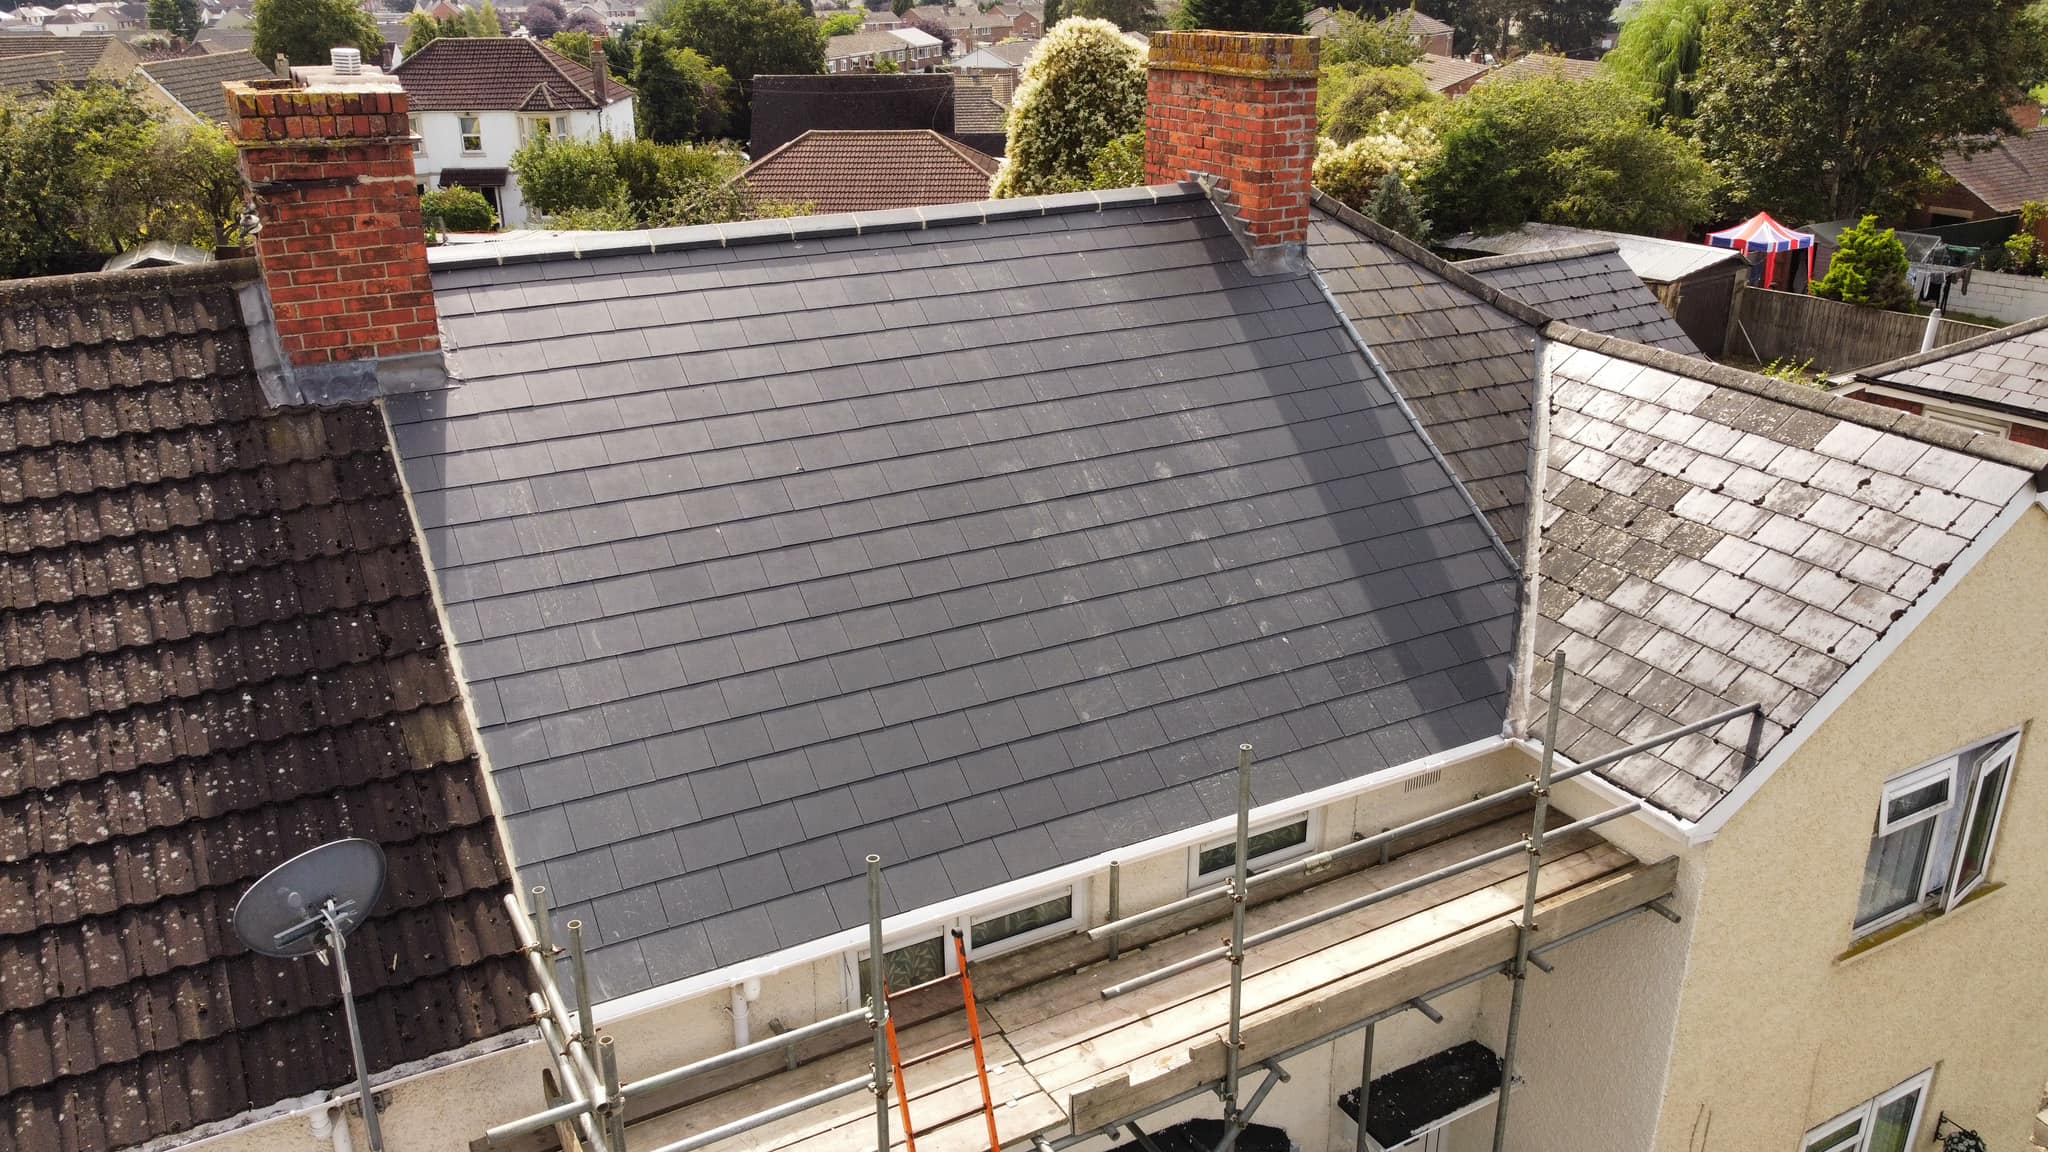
(1936, 828)
(419, 137)
(929, 954)
(533, 128)
(1269, 844)
(1888, 1122)
(472, 129)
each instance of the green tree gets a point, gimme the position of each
(1054, 13)
(544, 18)
(1281, 16)
(178, 17)
(746, 38)
(459, 210)
(1822, 109)
(423, 29)
(575, 45)
(1355, 40)
(1353, 172)
(1563, 151)
(1351, 98)
(587, 22)
(682, 96)
(842, 24)
(1397, 208)
(305, 29)
(1660, 50)
(610, 184)
(1083, 88)
(1565, 25)
(902, 7)
(1129, 15)
(90, 171)
(1868, 268)
(1120, 164)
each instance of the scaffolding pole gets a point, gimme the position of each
(1365, 1088)
(1519, 973)
(1238, 903)
(878, 1003)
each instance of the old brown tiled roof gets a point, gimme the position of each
(863, 171)
(1442, 73)
(2006, 175)
(503, 73)
(195, 81)
(980, 105)
(219, 651)
(85, 57)
(1710, 539)
(1544, 64)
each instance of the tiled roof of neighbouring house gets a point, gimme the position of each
(220, 651)
(1459, 348)
(975, 536)
(1588, 286)
(1537, 64)
(864, 44)
(2005, 175)
(85, 57)
(1712, 539)
(1443, 73)
(2006, 369)
(1416, 23)
(467, 74)
(195, 81)
(1652, 259)
(31, 73)
(866, 171)
(980, 106)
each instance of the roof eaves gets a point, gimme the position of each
(576, 245)
(1410, 250)
(1846, 408)
(1874, 373)
(1538, 256)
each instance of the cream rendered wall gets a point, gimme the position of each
(1777, 1032)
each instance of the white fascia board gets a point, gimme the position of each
(1678, 831)
(1711, 824)
(933, 915)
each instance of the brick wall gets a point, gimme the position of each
(1884, 401)
(1240, 107)
(342, 246)
(2029, 435)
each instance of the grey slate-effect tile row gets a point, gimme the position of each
(1705, 547)
(1594, 290)
(2011, 373)
(979, 547)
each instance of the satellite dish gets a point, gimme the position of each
(308, 905)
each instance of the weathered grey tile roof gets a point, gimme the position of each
(1589, 286)
(977, 539)
(2005, 370)
(1653, 260)
(1711, 539)
(194, 82)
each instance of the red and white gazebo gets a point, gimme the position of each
(1761, 233)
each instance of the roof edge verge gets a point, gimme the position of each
(1854, 411)
(1538, 256)
(1874, 372)
(127, 282)
(1381, 234)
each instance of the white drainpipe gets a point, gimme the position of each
(742, 1029)
(331, 1123)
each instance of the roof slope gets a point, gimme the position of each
(195, 81)
(977, 544)
(1712, 539)
(1536, 64)
(1650, 257)
(1442, 73)
(31, 72)
(2012, 171)
(85, 57)
(1588, 286)
(220, 651)
(979, 106)
(506, 73)
(866, 171)
(2006, 369)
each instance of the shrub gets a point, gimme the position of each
(1082, 89)
(1351, 172)
(1869, 268)
(459, 210)
(1351, 97)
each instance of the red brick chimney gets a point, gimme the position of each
(599, 88)
(1238, 108)
(328, 161)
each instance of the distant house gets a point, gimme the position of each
(1994, 181)
(908, 48)
(1449, 75)
(981, 110)
(30, 73)
(1424, 31)
(1995, 383)
(476, 101)
(996, 59)
(84, 57)
(190, 86)
(967, 108)
(1545, 64)
(866, 171)
(71, 22)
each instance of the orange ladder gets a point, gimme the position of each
(988, 1104)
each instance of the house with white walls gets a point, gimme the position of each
(477, 100)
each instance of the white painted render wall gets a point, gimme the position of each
(2004, 297)
(440, 146)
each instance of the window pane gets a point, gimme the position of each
(1261, 844)
(1891, 877)
(1840, 1140)
(1976, 849)
(909, 965)
(1892, 1125)
(986, 932)
(1932, 795)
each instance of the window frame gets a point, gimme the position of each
(1944, 899)
(1077, 893)
(1310, 841)
(1865, 1116)
(462, 137)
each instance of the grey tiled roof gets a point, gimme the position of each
(1711, 539)
(977, 544)
(2005, 370)
(1587, 285)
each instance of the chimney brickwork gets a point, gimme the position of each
(341, 241)
(1240, 108)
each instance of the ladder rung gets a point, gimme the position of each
(921, 987)
(963, 1042)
